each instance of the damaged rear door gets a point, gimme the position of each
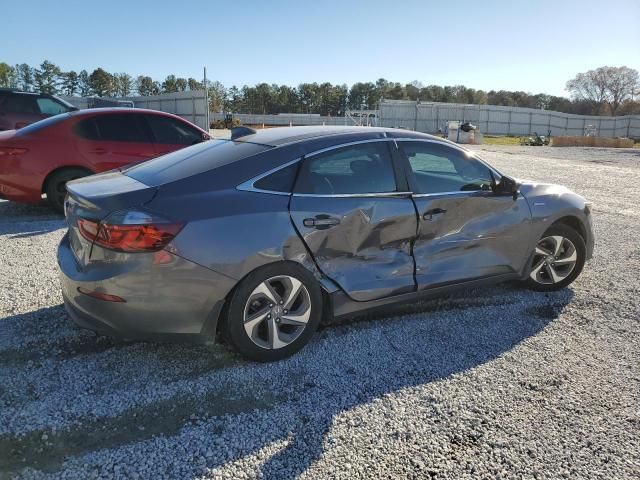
(355, 215)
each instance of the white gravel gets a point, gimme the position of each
(499, 383)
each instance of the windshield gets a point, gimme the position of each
(65, 103)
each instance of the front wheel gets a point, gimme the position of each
(273, 312)
(557, 260)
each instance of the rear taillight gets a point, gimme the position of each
(130, 231)
(7, 151)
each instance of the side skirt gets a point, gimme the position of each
(343, 306)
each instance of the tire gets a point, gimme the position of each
(253, 315)
(552, 268)
(56, 186)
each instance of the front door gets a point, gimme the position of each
(466, 231)
(171, 134)
(357, 220)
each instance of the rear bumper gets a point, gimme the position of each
(180, 301)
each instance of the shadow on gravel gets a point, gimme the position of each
(17, 211)
(22, 221)
(465, 346)
(344, 368)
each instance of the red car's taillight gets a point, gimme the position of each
(130, 231)
(12, 151)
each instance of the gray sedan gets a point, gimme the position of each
(257, 238)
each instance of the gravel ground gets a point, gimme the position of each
(498, 383)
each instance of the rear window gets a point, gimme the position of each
(47, 122)
(192, 161)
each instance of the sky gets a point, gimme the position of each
(534, 46)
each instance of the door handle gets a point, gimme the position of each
(434, 212)
(320, 222)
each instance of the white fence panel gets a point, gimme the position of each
(190, 105)
(500, 120)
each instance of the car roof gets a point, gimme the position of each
(15, 91)
(126, 110)
(279, 136)
(108, 110)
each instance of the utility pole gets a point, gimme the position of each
(206, 101)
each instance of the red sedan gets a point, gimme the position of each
(42, 157)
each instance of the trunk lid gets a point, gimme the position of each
(95, 197)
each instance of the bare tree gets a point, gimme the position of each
(604, 86)
(623, 82)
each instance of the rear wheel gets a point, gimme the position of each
(56, 188)
(557, 260)
(273, 312)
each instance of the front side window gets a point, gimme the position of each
(48, 106)
(357, 169)
(120, 128)
(170, 131)
(439, 168)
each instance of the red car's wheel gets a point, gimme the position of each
(56, 188)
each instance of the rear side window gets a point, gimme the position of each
(86, 129)
(21, 104)
(170, 131)
(120, 128)
(279, 181)
(363, 168)
(48, 106)
(192, 161)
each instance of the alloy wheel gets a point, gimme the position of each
(554, 259)
(277, 312)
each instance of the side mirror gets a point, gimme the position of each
(507, 186)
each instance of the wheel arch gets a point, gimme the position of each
(47, 178)
(574, 223)
(326, 288)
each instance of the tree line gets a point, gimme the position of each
(604, 91)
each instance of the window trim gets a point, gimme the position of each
(396, 157)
